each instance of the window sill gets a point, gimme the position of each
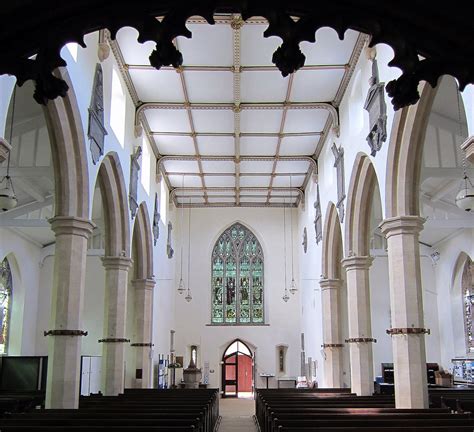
(238, 325)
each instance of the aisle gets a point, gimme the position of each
(237, 415)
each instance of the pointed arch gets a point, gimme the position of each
(69, 154)
(112, 187)
(332, 244)
(405, 156)
(142, 245)
(362, 188)
(237, 277)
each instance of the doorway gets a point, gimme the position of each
(237, 370)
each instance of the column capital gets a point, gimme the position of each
(116, 262)
(71, 225)
(146, 284)
(326, 283)
(402, 225)
(357, 262)
(468, 147)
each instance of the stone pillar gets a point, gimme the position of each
(360, 328)
(143, 324)
(113, 353)
(406, 303)
(64, 345)
(468, 147)
(331, 332)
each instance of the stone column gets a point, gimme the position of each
(113, 353)
(331, 332)
(64, 350)
(143, 324)
(360, 328)
(406, 303)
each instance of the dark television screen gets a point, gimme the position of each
(20, 373)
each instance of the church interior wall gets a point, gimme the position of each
(282, 319)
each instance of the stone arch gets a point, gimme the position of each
(142, 245)
(332, 244)
(112, 187)
(405, 156)
(69, 154)
(362, 187)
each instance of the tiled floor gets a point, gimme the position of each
(237, 415)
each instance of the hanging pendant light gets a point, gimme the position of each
(189, 297)
(465, 196)
(8, 199)
(181, 286)
(293, 287)
(285, 297)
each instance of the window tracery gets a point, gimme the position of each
(237, 278)
(5, 303)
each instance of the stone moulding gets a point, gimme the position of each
(407, 331)
(64, 332)
(438, 44)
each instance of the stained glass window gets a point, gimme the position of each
(237, 278)
(5, 303)
(468, 292)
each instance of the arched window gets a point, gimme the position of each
(237, 278)
(468, 297)
(5, 303)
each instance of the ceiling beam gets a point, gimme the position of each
(466, 222)
(30, 188)
(25, 223)
(268, 68)
(32, 171)
(446, 188)
(27, 208)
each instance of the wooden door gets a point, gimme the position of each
(244, 373)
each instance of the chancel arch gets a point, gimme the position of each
(237, 277)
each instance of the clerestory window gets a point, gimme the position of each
(237, 278)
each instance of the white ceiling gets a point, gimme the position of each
(227, 120)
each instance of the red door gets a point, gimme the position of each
(245, 373)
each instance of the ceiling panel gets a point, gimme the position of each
(258, 146)
(207, 87)
(260, 120)
(299, 145)
(281, 181)
(282, 200)
(305, 120)
(263, 86)
(219, 181)
(255, 181)
(292, 166)
(174, 145)
(134, 52)
(253, 199)
(256, 166)
(189, 181)
(216, 145)
(168, 120)
(180, 166)
(257, 50)
(194, 200)
(181, 193)
(316, 85)
(217, 120)
(329, 49)
(157, 86)
(218, 166)
(261, 193)
(229, 199)
(210, 45)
